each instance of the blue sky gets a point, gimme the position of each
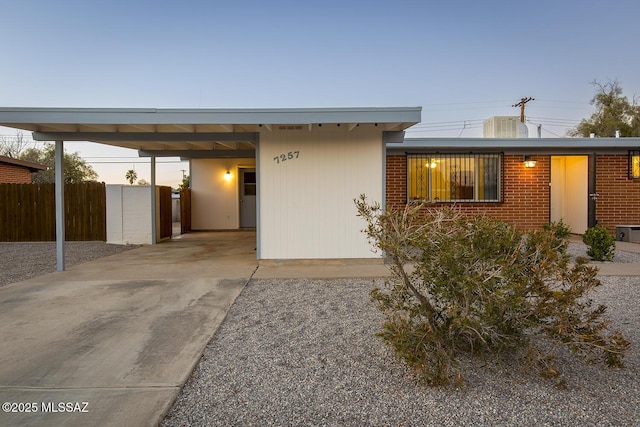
(462, 61)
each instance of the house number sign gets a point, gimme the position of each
(288, 156)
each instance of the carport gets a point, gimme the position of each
(341, 152)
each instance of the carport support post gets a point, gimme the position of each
(153, 200)
(59, 186)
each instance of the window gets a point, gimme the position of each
(454, 177)
(249, 183)
(634, 164)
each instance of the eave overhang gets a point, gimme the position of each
(186, 130)
(556, 146)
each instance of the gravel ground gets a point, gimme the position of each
(303, 352)
(24, 260)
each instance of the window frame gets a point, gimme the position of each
(460, 157)
(634, 157)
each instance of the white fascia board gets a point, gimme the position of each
(81, 116)
(516, 144)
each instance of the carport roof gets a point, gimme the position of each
(153, 130)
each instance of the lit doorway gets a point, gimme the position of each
(570, 191)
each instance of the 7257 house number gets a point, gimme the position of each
(284, 157)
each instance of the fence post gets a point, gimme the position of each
(59, 162)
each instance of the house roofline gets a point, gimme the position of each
(33, 167)
(517, 145)
(219, 116)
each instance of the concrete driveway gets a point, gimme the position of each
(110, 342)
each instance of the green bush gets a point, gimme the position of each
(601, 244)
(558, 228)
(477, 285)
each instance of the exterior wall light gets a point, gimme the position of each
(227, 176)
(529, 162)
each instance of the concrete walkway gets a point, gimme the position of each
(612, 268)
(121, 333)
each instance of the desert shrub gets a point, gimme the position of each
(558, 228)
(472, 284)
(601, 244)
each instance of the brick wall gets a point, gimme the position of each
(13, 174)
(525, 197)
(396, 182)
(619, 200)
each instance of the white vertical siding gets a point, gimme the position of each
(306, 202)
(114, 214)
(129, 214)
(214, 200)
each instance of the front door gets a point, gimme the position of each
(570, 191)
(248, 191)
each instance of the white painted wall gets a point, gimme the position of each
(215, 200)
(306, 208)
(129, 214)
(569, 191)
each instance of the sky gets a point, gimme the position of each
(462, 61)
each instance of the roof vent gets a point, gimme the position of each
(290, 127)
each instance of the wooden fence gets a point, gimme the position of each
(185, 210)
(27, 212)
(164, 203)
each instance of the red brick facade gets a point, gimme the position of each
(526, 192)
(14, 174)
(619, 197)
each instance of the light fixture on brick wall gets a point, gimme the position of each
(529, 162)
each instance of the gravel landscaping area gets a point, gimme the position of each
(303, 352)
(24, 260)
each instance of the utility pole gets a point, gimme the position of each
(521, 104)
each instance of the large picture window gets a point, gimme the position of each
(454, 177)
(634, 164)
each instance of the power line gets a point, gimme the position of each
(448, 122)
(554, 134)
(468, 103)
(551, 119)
(134, 161)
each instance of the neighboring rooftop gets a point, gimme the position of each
(33, 167)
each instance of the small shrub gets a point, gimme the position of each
(601, 244)
(477, 285)
(558, 228)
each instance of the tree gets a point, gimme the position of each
(131, 176)
(185, 183)
(614, 112)
(13, 146)
(76, 169)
